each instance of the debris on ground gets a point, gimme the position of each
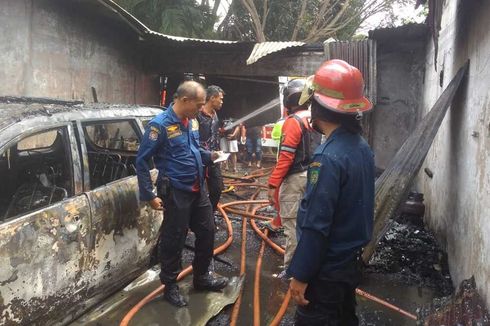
(466, 308)
(410, 252)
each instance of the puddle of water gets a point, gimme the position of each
(404, 296)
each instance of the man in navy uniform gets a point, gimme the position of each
(172, 140)
(335, 217)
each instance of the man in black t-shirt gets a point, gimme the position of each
(209, 139)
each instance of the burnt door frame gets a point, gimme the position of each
(45, 251)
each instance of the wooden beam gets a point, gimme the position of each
(394, 184)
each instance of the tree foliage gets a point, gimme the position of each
(260, 20)
(300, 20)
(175, 17)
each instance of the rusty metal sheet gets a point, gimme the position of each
(360, 54)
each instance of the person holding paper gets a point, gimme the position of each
(209, 139)
(171, 139)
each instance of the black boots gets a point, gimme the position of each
(172, 295)
(210, 282)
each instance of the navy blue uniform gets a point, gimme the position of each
(174, 146)
(176, 153)
(335, 220)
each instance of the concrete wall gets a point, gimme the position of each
(458, 195)
(51, 48)
(400, 71)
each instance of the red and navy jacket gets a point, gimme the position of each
(294, 150)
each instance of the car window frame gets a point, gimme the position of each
(73, 156)
(83, 144)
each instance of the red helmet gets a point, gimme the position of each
(337, 86)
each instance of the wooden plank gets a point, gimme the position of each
(393, 185)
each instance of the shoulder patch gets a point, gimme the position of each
(153, 135)
(155, 129)
(195, 124)
(313, 178)
(313, 172)
(173, 131)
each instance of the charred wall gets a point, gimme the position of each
(400, 73)
(59, 49)
(458, 194)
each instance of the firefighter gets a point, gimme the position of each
(289, 175)
(209, 139)
(335, 218)
(172, 140)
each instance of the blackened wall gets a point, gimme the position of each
(400, 78)
(53, 48)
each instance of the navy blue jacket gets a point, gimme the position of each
(175, 151)
(335, 218)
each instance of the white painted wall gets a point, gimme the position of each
(458, 196)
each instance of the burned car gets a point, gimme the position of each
(72, 229)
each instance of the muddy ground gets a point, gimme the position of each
(408, 270)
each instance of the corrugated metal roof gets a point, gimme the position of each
(189, 39)
(260, 50)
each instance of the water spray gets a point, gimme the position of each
(263, 108)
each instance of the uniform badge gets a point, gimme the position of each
(155, 129)
(314, 172)
(153, 135)
(195, 125)
(173, 131)
(314, 176)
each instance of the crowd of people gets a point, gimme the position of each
(323, 190)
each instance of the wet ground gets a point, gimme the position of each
(409, 270)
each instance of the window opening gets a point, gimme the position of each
(112, 148)
(36, 171)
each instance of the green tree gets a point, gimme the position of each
(260, 20)
(299, 20)
(186, 18)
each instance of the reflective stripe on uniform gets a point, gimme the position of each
(288, 149)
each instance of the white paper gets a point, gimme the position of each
(222, 157)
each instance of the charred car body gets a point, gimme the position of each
(72, 229)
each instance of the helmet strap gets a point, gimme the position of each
(358, 115)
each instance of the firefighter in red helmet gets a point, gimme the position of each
(335, 217)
